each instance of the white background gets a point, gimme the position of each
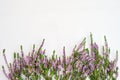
(60, 22)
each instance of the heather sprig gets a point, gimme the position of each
(83, 63)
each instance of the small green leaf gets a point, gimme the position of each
(18, 56)
(21, 48)
(14, 55)
(33, 46)
(2, 67)
(91, 38)
(3, 50)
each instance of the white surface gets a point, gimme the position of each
(60, 22)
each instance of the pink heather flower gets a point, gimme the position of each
(84, 68)
(91, 59)
(77, 64)
(37, 70)
(93, 54)
(99, 64)
(111, 66)
(45, 62)
(37, 64)
(88, 72)
(80, 68)
(84, 56)
(81, 45)
(106, 44)
(35, 56)
(69, 68)
(74, 49)
(41, 45)
(22, 54)
(41, 52)
(27, 59)
(5, 72)
(92, 66)
(64, 57)
(59, 67)
(44, 51)
(5, 60)
(94, 46)
(68, 60)
(54, 65)
(10, 76)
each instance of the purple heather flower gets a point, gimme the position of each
(106, 44)
(84, 68)
(35, 56)
(22, 54)
(68, 60)
(82, 44)
(5, 72)
(59, 67)
(37, 64)
(27, 59)
(69, 68)
(111, 66)
(94, 46)
(41, 45)
(91, 59)
(74, 49)
(92, 66)
(30, 64)
(84, 56)
(37, 71)
(10, 76)
(64, 57)
(6, 60)
(77, 63)
(54, 65)
(41, 52)
(45, 62)
(93, 54)
(80, 67)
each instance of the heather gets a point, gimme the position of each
(83, 63)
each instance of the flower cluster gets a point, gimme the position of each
(82, 64)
